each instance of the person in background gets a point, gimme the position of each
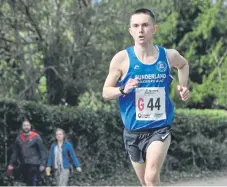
(61, 152)
(31, 153)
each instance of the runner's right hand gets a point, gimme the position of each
(132, 83)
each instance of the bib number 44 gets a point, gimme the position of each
(152, 103)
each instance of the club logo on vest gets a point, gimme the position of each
(161, 66)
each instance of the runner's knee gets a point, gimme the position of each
(152, 177)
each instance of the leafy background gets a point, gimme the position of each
(54, 57)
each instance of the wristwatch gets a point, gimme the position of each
(121, 89)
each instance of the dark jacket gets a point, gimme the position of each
(68, 154)
(29, 150)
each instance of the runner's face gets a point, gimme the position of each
(26, 126)
(141, 28)
(59, 135)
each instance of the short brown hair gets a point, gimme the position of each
(144, 11)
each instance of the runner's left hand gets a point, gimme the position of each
(184, 92)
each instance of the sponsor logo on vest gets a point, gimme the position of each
(136, 67)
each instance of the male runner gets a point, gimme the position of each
(140, 77)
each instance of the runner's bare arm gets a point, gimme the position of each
(110, 91)
(179, 62)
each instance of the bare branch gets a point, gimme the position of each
(35, 25)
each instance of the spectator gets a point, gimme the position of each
(30, 151)
(59, 159)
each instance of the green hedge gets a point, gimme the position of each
(198, 138)
(99, 134)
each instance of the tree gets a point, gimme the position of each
(54, 50)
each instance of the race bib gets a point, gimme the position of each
(150, 104)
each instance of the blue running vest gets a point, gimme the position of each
(149, 105)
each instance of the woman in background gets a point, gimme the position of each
(60, 155)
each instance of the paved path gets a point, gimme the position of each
(215, 181)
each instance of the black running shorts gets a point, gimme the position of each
(137, 142)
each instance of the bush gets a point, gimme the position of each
(198, 138)
(101, 143)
